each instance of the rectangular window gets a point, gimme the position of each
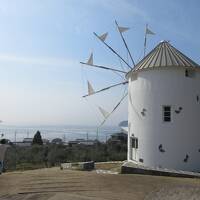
(141, 160)
(167, 113)
(135, 143)
(186, 73)
(189, 73)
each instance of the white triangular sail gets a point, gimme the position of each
(123, 29)
(90, 60)
(103, 37)
(148, 31)
(90, 88)
(104, 112)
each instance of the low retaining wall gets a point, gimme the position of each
(131, 168)
(87, 166)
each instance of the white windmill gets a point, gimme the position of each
(163, 106)
(145, 142)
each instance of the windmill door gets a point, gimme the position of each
(134, 152)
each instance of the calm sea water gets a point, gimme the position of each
(64, 132)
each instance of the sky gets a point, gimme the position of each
(43, 41)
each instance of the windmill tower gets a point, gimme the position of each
(163, 106)
(164, 110)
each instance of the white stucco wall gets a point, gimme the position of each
(150, 90)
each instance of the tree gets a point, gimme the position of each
(37, 139)
(5, 141)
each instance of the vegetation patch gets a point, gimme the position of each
(40, 156)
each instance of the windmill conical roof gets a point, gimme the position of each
(165, 55)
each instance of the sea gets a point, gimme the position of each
(66, 133)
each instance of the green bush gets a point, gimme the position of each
(37, 156)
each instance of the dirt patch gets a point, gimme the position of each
(113, 166)
(56, 184)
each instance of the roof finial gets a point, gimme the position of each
(168, 41)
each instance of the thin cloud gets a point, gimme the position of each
(120, 8)
(41, 61)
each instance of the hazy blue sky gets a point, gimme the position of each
(42, 42)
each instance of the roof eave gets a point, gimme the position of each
(161, 67)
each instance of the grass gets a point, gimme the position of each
(113, 166)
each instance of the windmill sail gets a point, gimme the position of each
(103, 67)
(103, 37)
(90, 89)
(148, 31)
(122, 29)
(104, 112)
(108, 114)
(100, 38)
(90, 60)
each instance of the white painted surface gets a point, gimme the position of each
(150, 90)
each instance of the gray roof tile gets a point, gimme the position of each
(165, 55)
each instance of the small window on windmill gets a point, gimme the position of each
(135, 143)
(167, 113)
(141, 160)
(189, 73)
(197, 98)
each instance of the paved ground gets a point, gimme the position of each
(56, 184)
